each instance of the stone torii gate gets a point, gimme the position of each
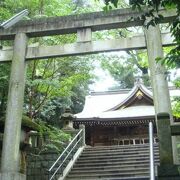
(83, 25)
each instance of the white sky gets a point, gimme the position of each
(104, 81)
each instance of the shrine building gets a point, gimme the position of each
(119, 117)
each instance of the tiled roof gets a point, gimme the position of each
(137, 102)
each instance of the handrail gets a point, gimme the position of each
(68, 149)
(151, 147)
(65, 159)
(65, 150)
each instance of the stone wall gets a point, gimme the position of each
(38, 164)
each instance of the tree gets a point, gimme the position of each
(4, 78)
(122, 72)
(51, 84)
(173, 58)
(126, 68)
(176, 100)
(140, 61)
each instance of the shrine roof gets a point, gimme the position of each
(137, 102)
(133, 111)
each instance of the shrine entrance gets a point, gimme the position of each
(121, 117)
(108, 136)
(83, 25)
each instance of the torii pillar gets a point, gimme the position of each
(11, 139)
(168, 155)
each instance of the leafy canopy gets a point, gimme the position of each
(52, 84)
(173, 57)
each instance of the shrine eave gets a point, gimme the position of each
(115, 121)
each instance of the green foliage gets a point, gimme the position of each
(124, 69)
(56, 139)
(121, 72)
(176, 107)
(173, 58)
(36, 7)
(4, 80)
(27, 123)
(176, 100)
(53, 81)
(111, 4)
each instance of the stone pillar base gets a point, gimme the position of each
(12, 176)
(168, 172)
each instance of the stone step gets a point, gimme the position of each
(118, 150)
(106, 153)
(115, 178)
(123, 148)
(139, 146)
(99, 163)
(109, 175)
(112, 156)
(110, 166)
(114, 160)
(113, 163)
(112, 169)
(131, 178)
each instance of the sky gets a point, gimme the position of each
(104, 81)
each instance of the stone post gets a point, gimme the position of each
(160, 87)
(165, 143)
(84, 35)
(167, 170)
(157, 70)
(11, 140)
(82, 126)
(158, 78)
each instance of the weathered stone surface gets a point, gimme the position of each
(169, 172)
(11, 139)
(119, 18)
(37, 165)
(175, 130)
(164, 136)
(12, 176)
(82, 48)
(157, 70)
(158, 77)
(84, 35)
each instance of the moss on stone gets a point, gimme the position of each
(27, 123)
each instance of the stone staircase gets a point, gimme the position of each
(113, 162)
